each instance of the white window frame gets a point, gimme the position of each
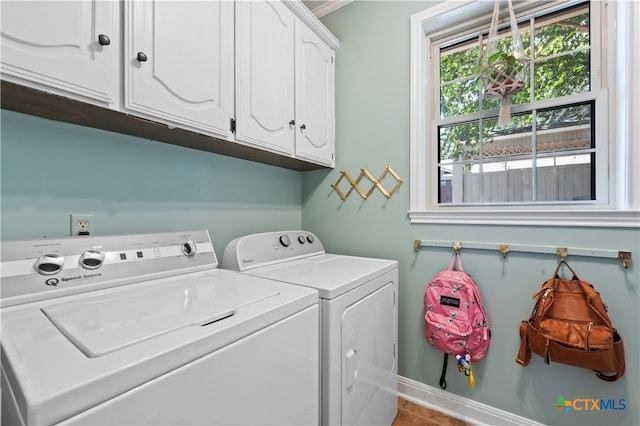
(622, 209)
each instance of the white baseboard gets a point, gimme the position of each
(458, 406)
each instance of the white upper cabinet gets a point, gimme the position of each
(265, 32)
(284, 83)
(179, 62)
(250, 78)
(315, 98)
(67, 47)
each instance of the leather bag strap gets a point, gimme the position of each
(564, 262)
(618, 347)
(524, 354)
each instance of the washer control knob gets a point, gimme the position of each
(92, 259)
(49, 264)
(302, 239)
(189, 248)
(310, 239)
(285, 241)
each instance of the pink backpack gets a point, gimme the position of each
(455, 322)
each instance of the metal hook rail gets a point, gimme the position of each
(563, 252)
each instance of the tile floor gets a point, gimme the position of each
(410, 414)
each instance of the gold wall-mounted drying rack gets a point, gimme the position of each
(563, 252)
(376, 183)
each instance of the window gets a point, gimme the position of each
(557, 161)
(547, 153)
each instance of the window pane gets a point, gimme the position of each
(562, 32)
(567, 178)
(445, 190)
(458, 70)
(507, 181)
(458, 61)
(570, 125)
(455, 185)
(460, 97)
(512, 140)
(562, 76)
(562, 51)
(459, 142)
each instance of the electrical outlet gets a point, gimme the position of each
(82, 224)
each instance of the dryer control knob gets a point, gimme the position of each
(310, 238)
(91, 259)
(49, 264)
(285, 241)
(302, 239)
(189, 248)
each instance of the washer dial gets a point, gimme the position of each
(285, 241)
(189, 248)
(91, 259)
(49, 264)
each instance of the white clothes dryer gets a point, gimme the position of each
(358, 319)
(145, 329)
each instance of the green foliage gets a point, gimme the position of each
(561, 50)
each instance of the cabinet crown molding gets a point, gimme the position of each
(303, 12)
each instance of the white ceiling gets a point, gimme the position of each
(322, 7)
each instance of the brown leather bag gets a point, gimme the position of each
(570, 325)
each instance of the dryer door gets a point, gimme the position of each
(368, 358)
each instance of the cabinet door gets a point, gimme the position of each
(179, 63)
(264, 75)
(315, 73)
(66, 46)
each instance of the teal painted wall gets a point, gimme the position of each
(372, 131)
(130, 185)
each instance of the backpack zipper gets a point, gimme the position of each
(544, 296)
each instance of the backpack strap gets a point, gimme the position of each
(443, 382)
(524, 354)
(456, 255)
(618, 348)
(564, 262)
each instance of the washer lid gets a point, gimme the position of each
(163, 324)
(330, 274)
(108, 322)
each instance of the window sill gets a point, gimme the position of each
(580, 218)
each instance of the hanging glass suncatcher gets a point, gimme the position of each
(503, 70)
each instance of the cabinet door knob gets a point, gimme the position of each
(292, 123)
(104, 40)
(141, 57)
(303, 127)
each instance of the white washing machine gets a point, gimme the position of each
(144, 329)
(358, 319)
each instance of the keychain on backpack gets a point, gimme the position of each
(464, 366)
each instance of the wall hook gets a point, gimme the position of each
(355, 184)
(625, 257)
(504, 249)
(562, 252)
(457, 246)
